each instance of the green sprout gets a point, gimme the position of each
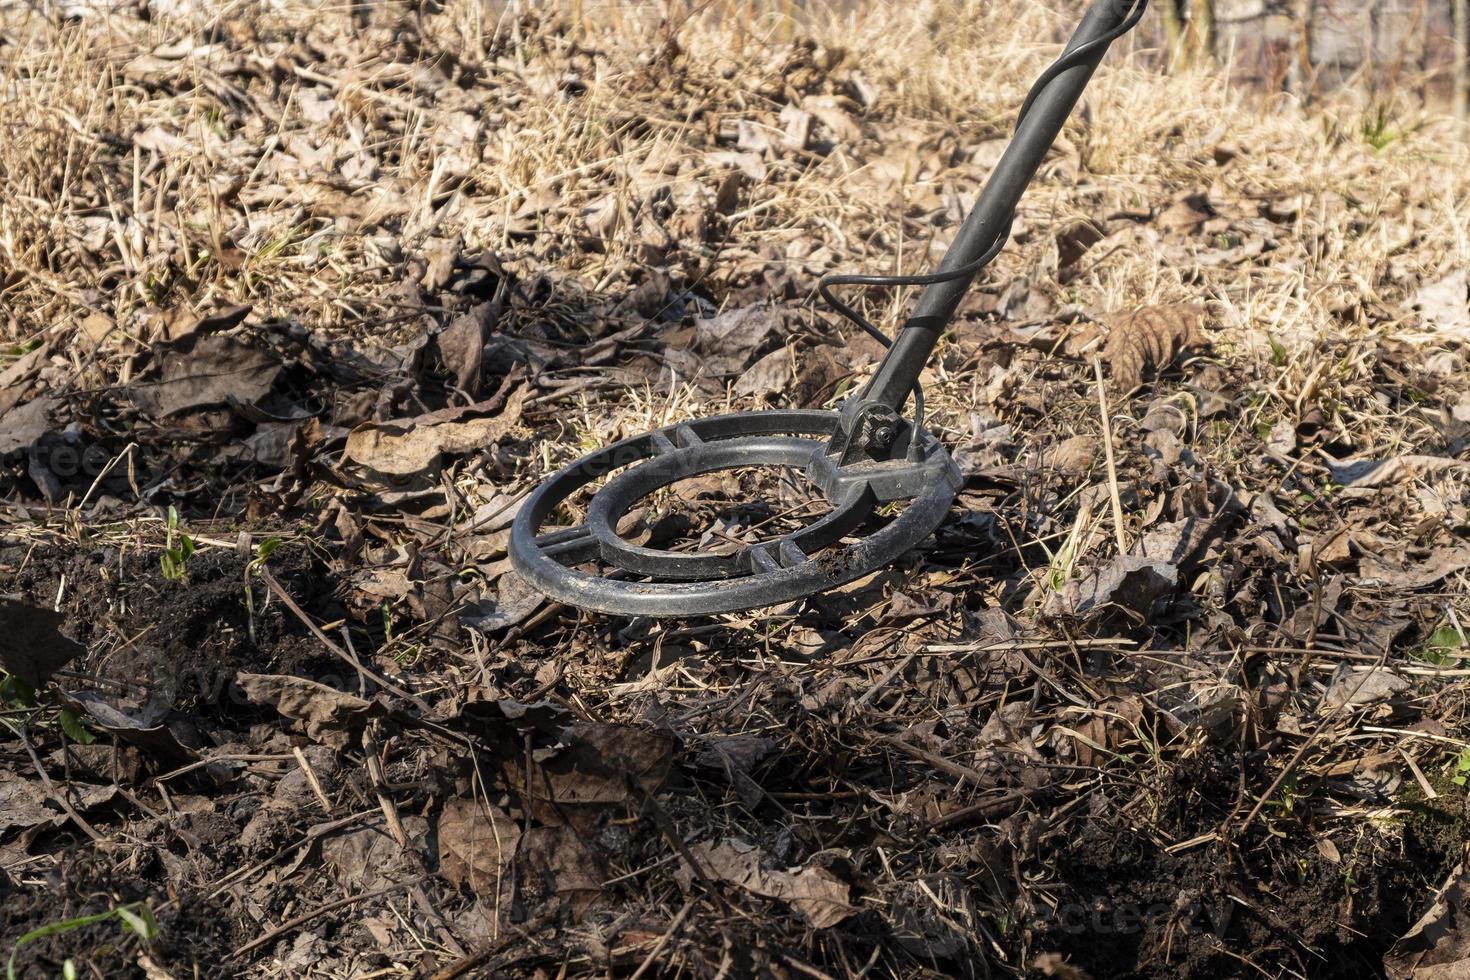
(1462, 768)
(136, 918)
(178, 547)
(262, 551)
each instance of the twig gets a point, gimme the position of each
(801, 967)
(937, 761)
(306, 917)
(380, 788)
(379, 779)
(320, 830)
(330, 644)
(984, 809)
(1107, 431)
(671, 834)
(892, 672)
(50, 787)
(1302, 751)
(316, 786)
(662, 941)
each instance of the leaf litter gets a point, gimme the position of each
(339, 286)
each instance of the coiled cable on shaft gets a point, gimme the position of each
(1067, 61)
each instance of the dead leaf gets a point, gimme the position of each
(24, 804)
(1127, 581)
(411, 446)
(147, 729)
(558, 862)
(1445, 304)
(181, 324)
(1186, 213)
(461, 345)
(593, 766)
(734, 753)
(477, 841)
(728, 341)
(829, 112)
(1358, 689)
(440, 255)
(32, 646)
(813, 891)
(1056, 965)
(515, 600)
(208, 371)
(21, 804)
(1437, 947)
(331, 717)
(1074, 241)
(24, 426)
(796, 128)
(1182, 543)
(1148, 338)
(1376, 570)
(1072, 456)
(1115, 723)
(771, 374)
(369, 857)
(1358, 474)
(16, 380)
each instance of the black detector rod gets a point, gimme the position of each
(984, 231)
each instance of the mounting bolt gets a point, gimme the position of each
(882, 436)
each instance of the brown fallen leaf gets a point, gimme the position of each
(32, 646)
(180, 323)
(1360, 474)
(1056, 965)
(1074, 240)
(1379, 571)
(770, 375)
(1438, 945)
(514, 602)
(24, 803)
(369, 858)
(204, 371)
(1445, 305)
(461, 345)
(1117, 721)
(1186, 213)
(1148, 338)
(813, 891)
(558, 863)
(477, 841)
(1356, 690)
(727, 342)
(1128, 582)
(331, 717)
(24, 426)
(17, 379)
(411, 446)
(146, 729)
(594, 766)
(1072, 456)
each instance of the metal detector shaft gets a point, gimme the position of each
(1040, 123)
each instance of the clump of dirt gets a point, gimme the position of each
(181, 638)
(83, 885)
(1127, 907)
